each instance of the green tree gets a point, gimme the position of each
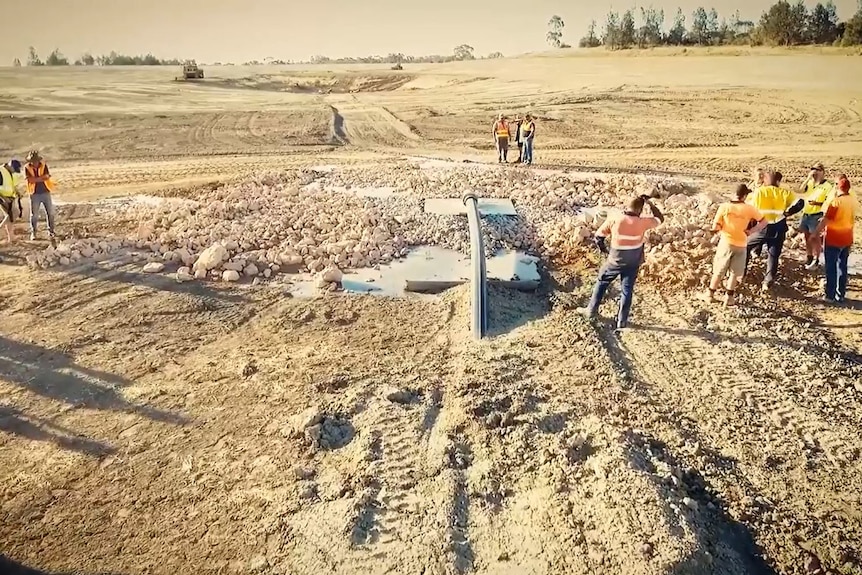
(699, 32)
(823, 24)
(87, 59)
(56, 58)
(33, 58)
(676, 35)
(555, 34)
(590, 40)
(464, 52)
(628, 35)
(611, 37)
(650, 32)
(712, 27)
(852, 35)
(783, 24)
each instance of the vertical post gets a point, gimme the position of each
(479, 322)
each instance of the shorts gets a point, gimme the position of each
(809, 222)
(8, 206)
(729, 258)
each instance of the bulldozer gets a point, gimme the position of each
(191, 71)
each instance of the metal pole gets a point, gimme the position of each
(479, 322)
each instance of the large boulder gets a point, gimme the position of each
(211, 258)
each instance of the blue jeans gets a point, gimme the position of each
(527, 154)
(36, 203)
(836, 271)
(623, 264)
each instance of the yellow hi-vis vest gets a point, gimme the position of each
(772, 202)
(816, 196)
(527, 127)
(7, 188)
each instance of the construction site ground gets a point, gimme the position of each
(151, 427)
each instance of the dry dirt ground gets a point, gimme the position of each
(149, 427)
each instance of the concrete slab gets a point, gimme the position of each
(454, 207)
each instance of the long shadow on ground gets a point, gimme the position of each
(16, 422)
(55, 376)
(11, 567)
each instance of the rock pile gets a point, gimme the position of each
(324, 223)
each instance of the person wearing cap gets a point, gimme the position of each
(816, 191)
(515, 130)
(625, 256)
(776, 204)
(528, 133)
(40, 185)
(733, 221)
(9, 173)
(501, 137)
(840, 215)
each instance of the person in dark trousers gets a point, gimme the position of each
(40, 185)
(839, 219)
(516, 129)
(500, 132)
(625, 256)
(776, 204)
(8, 194)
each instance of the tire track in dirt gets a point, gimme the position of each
(719, 371)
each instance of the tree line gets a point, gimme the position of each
(460, 53)
(783, 24)
(56, 58)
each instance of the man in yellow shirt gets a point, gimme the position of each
(9, 174)
(840, 216)
(775, 204)
(816, 191)
(733, 221)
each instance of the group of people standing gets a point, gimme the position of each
(522, 131)
(753, 220)
(39, 188)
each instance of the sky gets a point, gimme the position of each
(243, 30)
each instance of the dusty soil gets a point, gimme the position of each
(154, 427)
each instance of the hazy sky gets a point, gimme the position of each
(241, 30)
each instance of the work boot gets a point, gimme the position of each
(812, 264)
(730, 300)
(32, 236)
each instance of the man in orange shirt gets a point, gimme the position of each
(624, 257)
(501, 138)
(838, 221)
(733, 221)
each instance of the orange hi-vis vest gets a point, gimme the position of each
(627, 231)
(40, 171)
(501, 127)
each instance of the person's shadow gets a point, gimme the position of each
(11, 567)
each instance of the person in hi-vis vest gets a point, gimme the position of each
(9, 174)
(501, 138)
(40, 186)
(528, 132)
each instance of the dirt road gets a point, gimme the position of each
(148, 426)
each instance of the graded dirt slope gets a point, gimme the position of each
(148, 426)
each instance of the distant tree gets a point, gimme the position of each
(699, 32)
(676, 35)
(712, 27)
(740, 29)
(590, 40)
(611, 37)
(852, 34)
(555, 34)
(33, 58)
(495, 55)
(464, 52)
(627, 30)
(822, 26)
(87, 59)
(16, 63)
(650, 32)
(783, 24)
(56, 58)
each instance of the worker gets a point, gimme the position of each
(515, 127)
(758, 178)
(733, 221)
(528, 133)
(776, 204)
(625, 255)
(840, 215)
(501, 137)
(816, 190)
(40, 186)
(9, 173)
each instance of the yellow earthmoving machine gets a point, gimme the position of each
(191, 71)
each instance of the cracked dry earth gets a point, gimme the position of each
(153, 427)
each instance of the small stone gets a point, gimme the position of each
(154, 267)
(690, 503)
(258, 562)
(647, 550)
(251, 270)
(230, 276)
